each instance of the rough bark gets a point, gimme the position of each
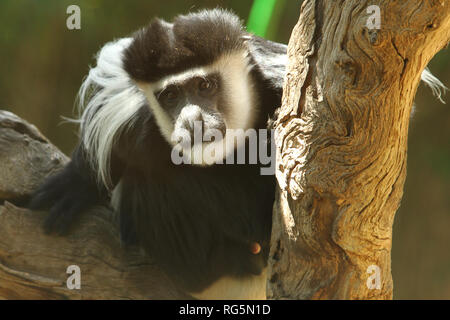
(342, 142)
(33, 265)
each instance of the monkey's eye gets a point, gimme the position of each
(207, 87)
(169, 96)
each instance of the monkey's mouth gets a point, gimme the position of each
(198, 133)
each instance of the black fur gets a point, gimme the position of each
(197, 222)
(67, 193)
(192, 40)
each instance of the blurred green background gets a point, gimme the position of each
(43, 64)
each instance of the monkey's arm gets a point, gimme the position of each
(70, 192)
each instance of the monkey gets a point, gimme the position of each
(207, 223)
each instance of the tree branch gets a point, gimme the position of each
(33, 265)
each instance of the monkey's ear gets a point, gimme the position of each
(269, 58)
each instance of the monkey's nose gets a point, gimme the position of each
(190, 115)
(191, 119)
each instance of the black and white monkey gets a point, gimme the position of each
(207, 225)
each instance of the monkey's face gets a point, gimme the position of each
(198, 109)
(195, 107)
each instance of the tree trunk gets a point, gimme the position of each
(341, 144)
(341, 157)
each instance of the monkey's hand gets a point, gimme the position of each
(66, 194)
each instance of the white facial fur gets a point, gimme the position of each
(238, 89)
(110, 102)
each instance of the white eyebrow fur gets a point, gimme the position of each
(180, 77)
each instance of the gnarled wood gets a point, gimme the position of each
(33, 265)
(342, 141)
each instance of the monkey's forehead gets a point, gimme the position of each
(182, 78)
(227, 66)
(191, 41)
